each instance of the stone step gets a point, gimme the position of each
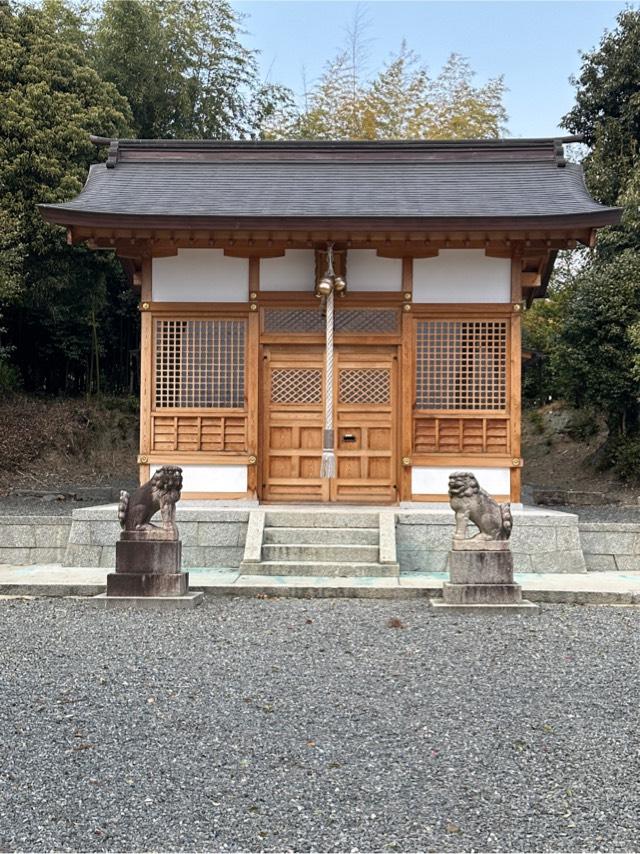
(320, 519)
(323, 536)
(325, 568)
(320, 552)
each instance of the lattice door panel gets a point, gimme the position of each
(365, 426)
(296, 385)
(292, 425)
(364, 385)
(461, 364)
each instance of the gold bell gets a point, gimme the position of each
(325, 286)
(339, 284)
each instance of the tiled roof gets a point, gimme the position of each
(441, 181)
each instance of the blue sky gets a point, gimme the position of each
(535, 45)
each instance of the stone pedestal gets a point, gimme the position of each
(147, 570)
(481, 582)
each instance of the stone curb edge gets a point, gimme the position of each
(550, 597)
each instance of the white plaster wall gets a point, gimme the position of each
(367, 272)
(200, 275)
(294, 271)
(461, 275)
(434, 480)
(211, 478)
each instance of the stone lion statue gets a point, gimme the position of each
(161, 493)
(472, 504)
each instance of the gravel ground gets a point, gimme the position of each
(604, 513)
(13, 505)
(311, 725)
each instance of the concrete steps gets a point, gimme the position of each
(325, 568)
(321, 543)
(320, 519)
(322, 536)
(321, 552)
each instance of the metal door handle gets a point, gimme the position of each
(348, 437)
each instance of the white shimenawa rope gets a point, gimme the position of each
(328, 463)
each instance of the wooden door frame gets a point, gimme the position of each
(394, 350)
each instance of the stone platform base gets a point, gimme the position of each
(153, 603)
(213, 536)
(524, 608)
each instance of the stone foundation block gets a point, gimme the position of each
(17, 536)
(108, 557)
(149, 603)
(481, 594)
(20, 557)
(80, 554)
(147, 584)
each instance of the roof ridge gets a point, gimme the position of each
(546, 148)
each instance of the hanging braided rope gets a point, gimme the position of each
(328, 463)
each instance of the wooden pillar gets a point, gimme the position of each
(252, 368)
(407, 371)
(515, 373)
(146, 369)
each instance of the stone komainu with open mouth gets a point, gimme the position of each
(472, 504)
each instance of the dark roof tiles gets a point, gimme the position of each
(330, 187)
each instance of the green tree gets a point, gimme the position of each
(607, 108)
(596, 352)
(607, 114)
(543, 324)
(51, 99)
(183, 68)
(400, 101)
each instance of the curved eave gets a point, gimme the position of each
(61, 215)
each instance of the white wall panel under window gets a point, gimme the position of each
(211, 478)
(367, 272)
(434, 480)
(200, 275)
(461, 276)
(294, 271)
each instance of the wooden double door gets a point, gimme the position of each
(366, 412)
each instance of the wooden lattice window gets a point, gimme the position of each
(294, 320)
(381, 321)
(200, 363)
(461, 364)
(354, 321)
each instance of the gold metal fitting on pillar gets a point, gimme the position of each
(144, 306)
(406, 307)
(406, 461)
(142, 459)
(253, 307)
(253, 295)
(516, 463)
(517, 307)
(252, 460)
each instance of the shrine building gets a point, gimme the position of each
(358, 298)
